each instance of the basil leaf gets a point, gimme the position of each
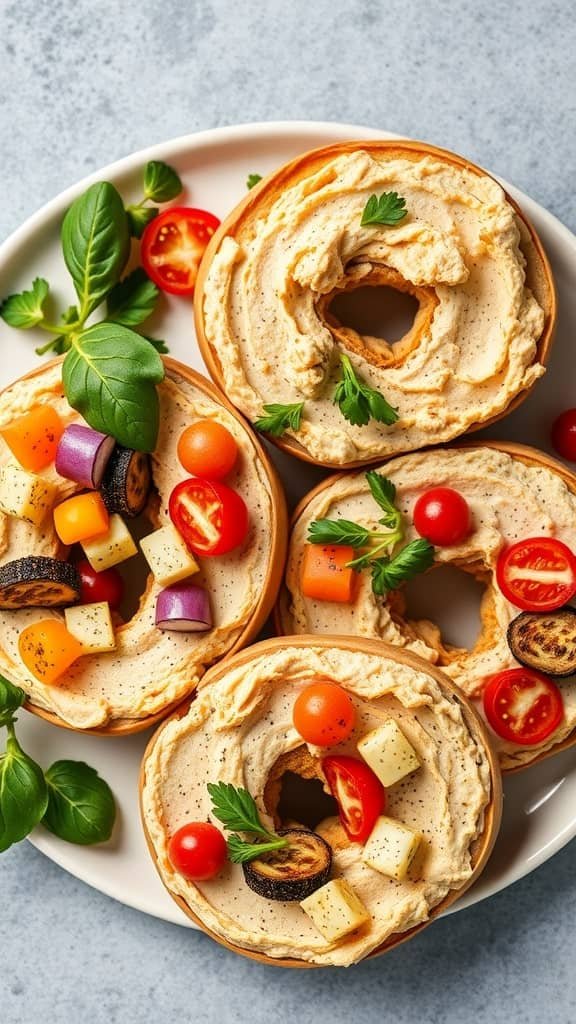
(132, 300)
(161, 183)
(109, 377)
(23, 793)
(95, 243)
(26, 309)
(139, 217)
(158, 344)
(11, 698)
(81, 807)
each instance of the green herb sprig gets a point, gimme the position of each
(252, 180)
(358, 402)
(161, 184)
(388, 209)
(236, 809)
(279, 418)
(70, 799)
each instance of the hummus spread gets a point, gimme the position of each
(149, 669)
(457, 250)
(509, 501)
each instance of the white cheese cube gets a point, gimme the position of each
(24, 495)
(335, 910)
(168, 556)
(91, 624)
(110, 548)
(388, 753)
(391, 848)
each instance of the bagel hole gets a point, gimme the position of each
(135, 571)
(450, 598)
(376, 312)
(304, 801)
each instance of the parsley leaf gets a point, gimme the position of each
(338, 531)
(279, 418)
(358, 402)
(389, 209)
(384, 493)
(240, 851)
(252, 180)
(26, 309)
(236, 809)
(389, 573)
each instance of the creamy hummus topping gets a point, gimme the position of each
(236, 730)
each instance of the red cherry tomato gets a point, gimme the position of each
(211, 517)
(173, 245)
(198, 851)
(107, 585)
(360, 795)
(523, 706)
(207, 449)
(564, 435)
(537, 574)
(324, 714)
(442, 516)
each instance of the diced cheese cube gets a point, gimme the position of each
(24, 495)
(91, 624)
(335, 910)
(391, 848)
(168, 556)
(110, 548)
(388, 753)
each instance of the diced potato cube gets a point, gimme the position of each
(112, 547)
(168, 556)
(24, 495)
(391, 848)
(335, 910)
(91, 624)
(388, 753)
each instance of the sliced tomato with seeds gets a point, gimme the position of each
(360, 795)
(173, 245)
(537, 574)
(523, 706)
(211, 517)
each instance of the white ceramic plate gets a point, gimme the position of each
(540, 806)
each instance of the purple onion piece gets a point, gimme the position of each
(82, 455)
(184, 608)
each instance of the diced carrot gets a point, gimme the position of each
(48, 649)
(33, 438)
(81, 518)
(325, 575)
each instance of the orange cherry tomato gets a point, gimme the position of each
(33, 438)
(81, 518)
(325, 574)
(324, 714)
(207, 449)
(48, 649)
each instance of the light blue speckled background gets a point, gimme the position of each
(83, 82)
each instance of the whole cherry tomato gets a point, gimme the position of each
(198, 851)
(324, 713)
(107, 585)
(206, 448)
(442, 516)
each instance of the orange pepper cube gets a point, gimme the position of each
(48, 649)
(81, 517)
(33, 438)
(325, 574)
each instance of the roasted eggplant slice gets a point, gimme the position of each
(545, 641)
(127, 481)
(294, 872)
(38, 582)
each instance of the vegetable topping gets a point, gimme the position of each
(38, 582)
(33, 438)
(198, 851)
(442, 516)
(324, 714)
(82, 455)
(48, 649)
(537, 574)
(295, 871)
(326, 574)
(211, 517)
(360, 795)
(80, 518)
(206, 448)
(127, 482)
(523, 706)
(545, 641)
(183, 608)
(173, 245)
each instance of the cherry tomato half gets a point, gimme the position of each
(198, 851)
(523, 706)
(360, 795)
(173, 245)
(211, 517)
(207, 449)
(324, 714)
(442, 516)
(537, 574)
(107, 585)
(564, 435)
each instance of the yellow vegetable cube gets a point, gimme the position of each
(335, 910)
(91, 624)
(391, 848)
(168, 556)
(110, 548)
(24, 495)
(388, 753)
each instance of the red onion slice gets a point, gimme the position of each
(82, 455)
(184, 608)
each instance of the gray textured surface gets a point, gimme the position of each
(82, 83)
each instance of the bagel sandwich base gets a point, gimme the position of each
(278, 546)
(480, 849)
(260, 199)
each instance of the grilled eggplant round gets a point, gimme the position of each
(38, 582)
(294, 872)
(545, 641)
(127, 481)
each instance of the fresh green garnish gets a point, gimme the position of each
(358, 402)
(95, 244)
(252, 180)
(389, 209)
(132, 300)
(236, 809)
(26, 309)
(388, 570)
(279, 418)
(70, 799)
(160, 184)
